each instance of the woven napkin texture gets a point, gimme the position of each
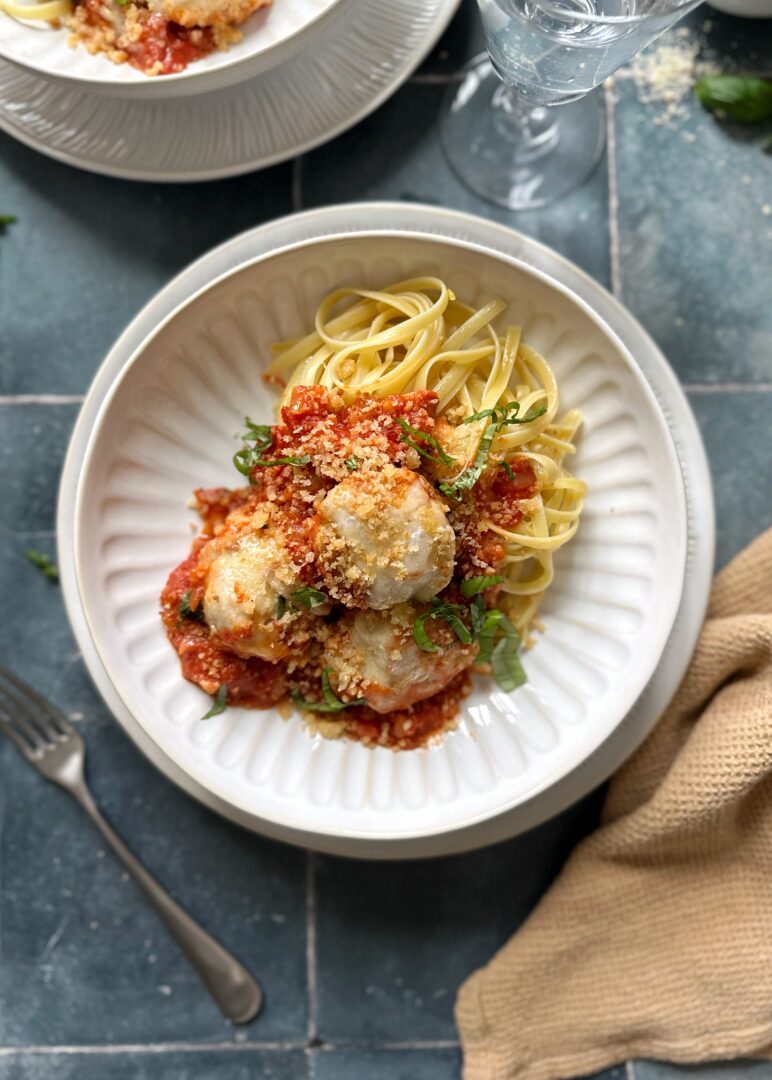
(656, 939)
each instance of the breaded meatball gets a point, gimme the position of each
(382, 538)
(210, 12)
(373, 655)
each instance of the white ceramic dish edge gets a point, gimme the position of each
(632, 730)
(32, 110)
(292, 813)
(220, 70)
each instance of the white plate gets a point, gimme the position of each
(352, 65)
(170, 424)
(271, 36)
(660, 689)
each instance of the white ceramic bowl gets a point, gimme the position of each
(170, 423)
(271, 35)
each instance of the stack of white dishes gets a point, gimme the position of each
(304, 72)
(620, 621)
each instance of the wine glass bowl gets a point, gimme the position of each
(501, 132)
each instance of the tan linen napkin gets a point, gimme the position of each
(656, 939)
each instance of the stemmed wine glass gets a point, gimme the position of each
(501, 131)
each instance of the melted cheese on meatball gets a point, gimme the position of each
(244, 577)
(373, 656)
(383, 538)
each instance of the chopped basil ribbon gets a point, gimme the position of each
(507, 469)
(504, 415)
(501, 416)
(7, 219)
(249, 456)
(330, 703)
(449, 613)
(472, 586)
(469, 477)
(744, 98)
(187, 612)
(352, 463)
(219, 704)
(505, 662)
(281, 607)
(308, 598)
(302, 460)
(47, 567)
(440, 458)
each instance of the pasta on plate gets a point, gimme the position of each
(398, 524)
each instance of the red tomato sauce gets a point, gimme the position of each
(168, 44)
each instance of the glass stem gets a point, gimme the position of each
(532, 130)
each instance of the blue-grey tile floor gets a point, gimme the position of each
(360, 962)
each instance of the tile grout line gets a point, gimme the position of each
(297, 183)
(227, 1047)
(727, 388)
(629, 1070)
(311, 959)
(436, 79)
(41, 399)
(613, 194)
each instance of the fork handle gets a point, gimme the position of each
(236, 992)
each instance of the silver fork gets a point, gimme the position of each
(51, 745)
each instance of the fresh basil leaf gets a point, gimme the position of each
(469, 477)
(743, 98)
(440, 458)
(486, 632)
(260, 434)
(302, 460)
(308, 598)
(330, 703)
(187, 612)
(281, 606)
(505, 660)
(7, 219)
(449, 613)
(43, 563)
(352, 463)
(219, 704)
(472, 586)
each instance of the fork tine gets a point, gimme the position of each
(23, 694)
(19, 711)
(17, 727)
(20, 743)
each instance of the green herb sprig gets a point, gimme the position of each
(330, 702)
(501, 416)
(744, 98)
(47, 567)
(219, 704)
(352, 463)
(439, 458)
(187, 612)
(449, 613)
(6, 220)
(472, 586)
(307, 598)
(497, 639)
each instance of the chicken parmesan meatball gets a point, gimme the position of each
(244, 575)
(191, 13)
(382, 538)
(373, 656)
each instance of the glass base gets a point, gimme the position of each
(513, 153)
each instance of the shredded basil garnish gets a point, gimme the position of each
(308, 598)
(187, 612)
(330, 703)
(302, 460)
(501, 416)
(43, 563)
(744, 98)
(469, 477)
(219, 704)
(472, 586)
(281, 607)
(449, 613)
(260, 434)
(505, 662)
(7, 219)
(504, 415)
(352, 463)
(507, 469)
(440, 458)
